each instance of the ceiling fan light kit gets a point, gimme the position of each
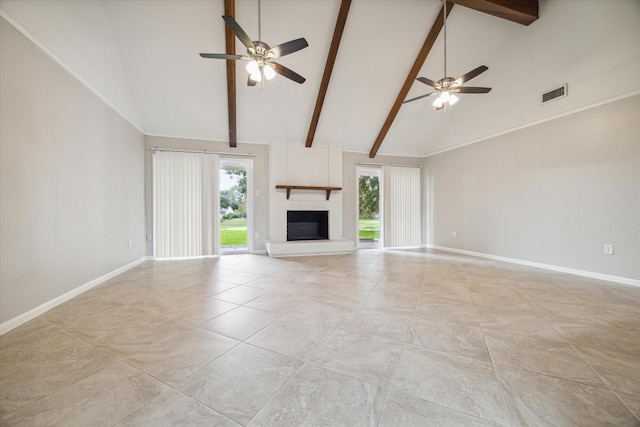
(260, 55)
(447, 87)
(445, 98)
(256, 71)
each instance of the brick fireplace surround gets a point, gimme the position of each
(294, 164)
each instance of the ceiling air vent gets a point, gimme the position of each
(559, 92)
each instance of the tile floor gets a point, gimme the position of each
(377, 338)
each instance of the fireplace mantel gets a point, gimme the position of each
(327, 190)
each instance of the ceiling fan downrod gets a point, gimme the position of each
(259, 19)
(444, 17)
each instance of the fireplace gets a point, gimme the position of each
(294, 165)
(307, 225)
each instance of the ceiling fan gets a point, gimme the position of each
(260, 55)
(447, 87)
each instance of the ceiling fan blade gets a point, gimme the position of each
(221, 56)
(471, 74)
(288, 47)
(239, 32)
(285, 72)
(428, 82)
(465, 89)
(418, 97)
(250, 81)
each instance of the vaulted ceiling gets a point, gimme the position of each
(141, 56)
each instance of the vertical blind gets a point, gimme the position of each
(401, 193)
(185, 203)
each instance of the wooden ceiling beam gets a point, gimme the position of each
(521, 11)
(230, 41)
(411, 77)
(328, 69)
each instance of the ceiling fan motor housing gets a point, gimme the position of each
(261, 52)
(446, 83)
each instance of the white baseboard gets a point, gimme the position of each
(43, 308)
(583, 273)
(184, 258)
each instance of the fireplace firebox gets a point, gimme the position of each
(307, 225)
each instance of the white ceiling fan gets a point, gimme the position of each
(448, 87)
(260, 55)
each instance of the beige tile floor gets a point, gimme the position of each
(378, 338)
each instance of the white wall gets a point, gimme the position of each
(260, 179)
(80, 35)
(71, 181)
(553, 193)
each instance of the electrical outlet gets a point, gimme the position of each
(608, 249)
(454, 234)
(256, 235)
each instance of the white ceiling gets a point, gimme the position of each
(142, 57)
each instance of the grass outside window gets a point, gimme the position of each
(369, 229)
(233, 232)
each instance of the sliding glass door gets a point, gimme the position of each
(369, 213)
(234, 214)
(201, 204)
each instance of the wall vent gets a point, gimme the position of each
(559, 92)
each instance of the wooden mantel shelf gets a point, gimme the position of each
(328, 190)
